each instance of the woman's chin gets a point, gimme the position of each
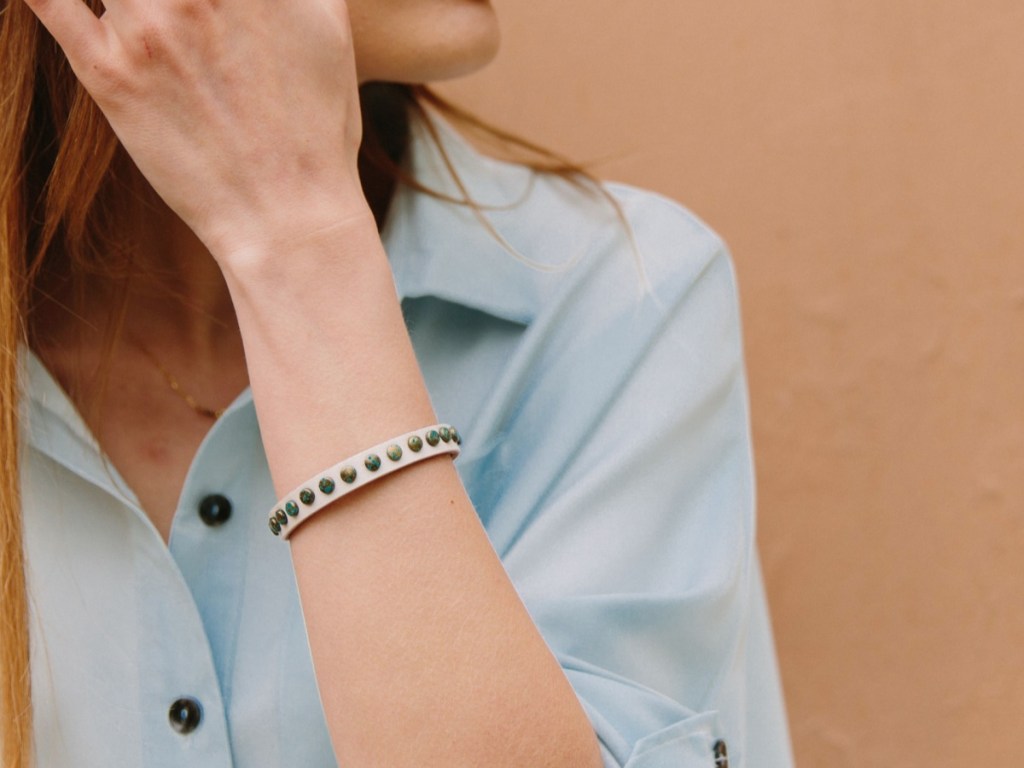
(451, 44)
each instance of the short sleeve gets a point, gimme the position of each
(619, 494)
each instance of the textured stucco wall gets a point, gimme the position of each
(865, 160)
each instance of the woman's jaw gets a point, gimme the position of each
(420, 41)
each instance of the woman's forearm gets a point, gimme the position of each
(424, 653)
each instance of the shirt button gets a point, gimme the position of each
(721, 754)
(215, 509)
(185, 714)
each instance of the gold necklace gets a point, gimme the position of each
(175, 385)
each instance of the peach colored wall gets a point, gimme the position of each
(865, 160)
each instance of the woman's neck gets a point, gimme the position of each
(177, 296)
(176, 304)
(171, 314)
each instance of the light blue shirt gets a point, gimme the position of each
(606, 449)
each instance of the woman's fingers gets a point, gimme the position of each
(75, 28)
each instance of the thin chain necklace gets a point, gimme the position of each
(175, 385)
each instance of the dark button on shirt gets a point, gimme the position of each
(721, 755)
(215, 509)
(185, 715)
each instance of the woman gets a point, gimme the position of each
(604, 425)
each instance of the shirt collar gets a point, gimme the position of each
(52, 425)
(499, 258)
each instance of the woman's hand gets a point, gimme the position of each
(242, 114)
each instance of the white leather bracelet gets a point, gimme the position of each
(359, 470)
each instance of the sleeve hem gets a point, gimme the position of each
(687, 743)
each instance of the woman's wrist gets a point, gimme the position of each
(337, 231)
(329, 357)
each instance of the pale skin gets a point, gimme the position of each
(423, 652)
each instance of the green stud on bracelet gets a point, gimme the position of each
(275, 527)
(372, 462)
(433, 438)
(326, 485)
(415, 444)
(394, 452)
(348, 475)
(456, 437)
(306, 496)
(281, 517)
(291, 508)
(446, 434)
